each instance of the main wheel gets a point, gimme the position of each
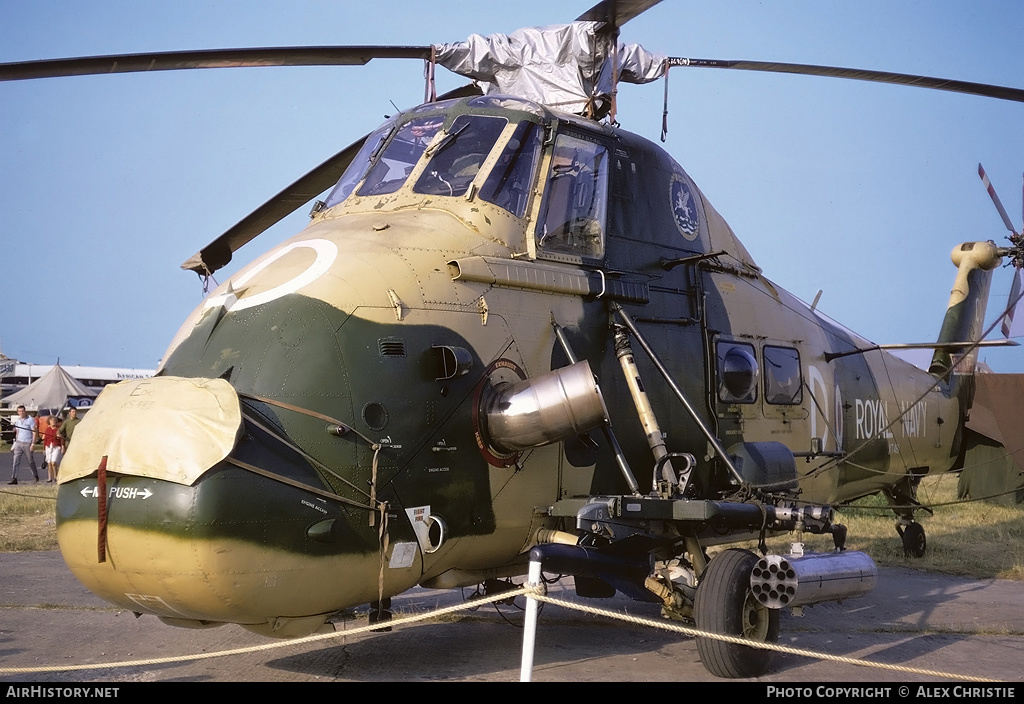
(914, 542)
(725, 604)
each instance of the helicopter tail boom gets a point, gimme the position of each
(968, 301)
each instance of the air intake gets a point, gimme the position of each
(391, 347)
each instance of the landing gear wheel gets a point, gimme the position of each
(914, 542)
(725, 604)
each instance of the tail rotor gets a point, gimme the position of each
(1013, 318)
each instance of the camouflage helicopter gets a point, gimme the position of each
(437, 377)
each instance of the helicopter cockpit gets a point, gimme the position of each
(490, 147)
(455, 139)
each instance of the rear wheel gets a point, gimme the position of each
(914, 542)
(725, 604)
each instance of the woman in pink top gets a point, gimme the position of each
(53, 446)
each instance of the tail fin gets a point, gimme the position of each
(965, 314)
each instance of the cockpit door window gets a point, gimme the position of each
(573, 214)
(511, 179)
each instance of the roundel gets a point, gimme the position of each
(326, 252)
(684, 207)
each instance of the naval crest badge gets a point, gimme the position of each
(684, 207)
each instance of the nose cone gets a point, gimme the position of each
(234, 548)
(199, 517)
(166, 428)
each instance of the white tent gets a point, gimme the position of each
(49, 391)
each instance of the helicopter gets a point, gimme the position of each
(456, 384)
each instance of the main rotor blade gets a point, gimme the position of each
(616, 12)
(218, 253)
(906, 79)
(307, 187)
(209, 58)
(995, 199)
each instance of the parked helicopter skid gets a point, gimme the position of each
(436, 381)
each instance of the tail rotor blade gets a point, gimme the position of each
(995, 199)
(1013, 320)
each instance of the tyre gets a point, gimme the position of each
(914, 542)
(725, 604)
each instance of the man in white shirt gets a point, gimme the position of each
(24, 434)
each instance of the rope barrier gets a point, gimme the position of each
(684, 630)
(274, 645)
(27, 496)
(538, 593)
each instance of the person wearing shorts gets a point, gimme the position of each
(53, 446)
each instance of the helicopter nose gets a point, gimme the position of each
(174, 525)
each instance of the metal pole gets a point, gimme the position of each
(530, 626)
(606, 427)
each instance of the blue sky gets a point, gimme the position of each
(108, 183)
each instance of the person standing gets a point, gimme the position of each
(42, 423)
(53, 446)
(67, 428)
(24, 434)
(42, 417)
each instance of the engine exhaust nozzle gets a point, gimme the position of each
(551, 407)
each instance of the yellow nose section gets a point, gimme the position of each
(168, 428)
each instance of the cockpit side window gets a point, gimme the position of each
(573, 215)
(358, 166)
(400, 156)
(509, 184)
(456, 158)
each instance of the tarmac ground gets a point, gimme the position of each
(962, 626)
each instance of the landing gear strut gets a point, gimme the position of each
(380, 612)
(902, 499)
